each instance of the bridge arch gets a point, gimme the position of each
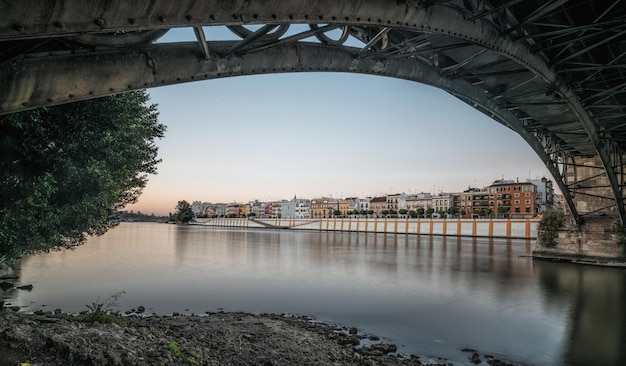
(475, 50)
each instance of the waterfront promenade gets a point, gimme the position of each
(490, 228)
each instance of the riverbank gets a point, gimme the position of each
(212, 339)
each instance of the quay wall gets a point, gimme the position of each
(491, 228)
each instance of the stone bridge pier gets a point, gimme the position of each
(598, 236)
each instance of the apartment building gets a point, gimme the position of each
(472, 202)
(323, 207)
(513, 198)
(297, 208)
(378, 205)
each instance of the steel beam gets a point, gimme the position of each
(25, 19)
(34, 82)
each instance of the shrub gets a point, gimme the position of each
(549, 226)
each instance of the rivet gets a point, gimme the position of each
(58, 24)
(100, 22)
(131, 20)
(162, 18)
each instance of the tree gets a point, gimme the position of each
(183, 212)
(452, 210)
(412, 214)
(336, 213)
(402, 211)
(429, 211)
(66, 170)
(420, 211)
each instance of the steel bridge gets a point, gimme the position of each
(554, 71)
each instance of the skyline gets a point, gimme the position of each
(270, 137)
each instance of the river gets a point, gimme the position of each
(432, 296)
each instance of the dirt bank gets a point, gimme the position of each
(212, 339)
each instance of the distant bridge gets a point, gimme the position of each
(553, 71)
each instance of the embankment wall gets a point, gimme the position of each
(493, 228)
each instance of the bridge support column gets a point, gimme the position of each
(599, 236)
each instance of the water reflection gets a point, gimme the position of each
(594, 299)
(431, 295)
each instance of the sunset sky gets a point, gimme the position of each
(270, 137)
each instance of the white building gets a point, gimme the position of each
(297, 208)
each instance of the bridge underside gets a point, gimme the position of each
(552, 71)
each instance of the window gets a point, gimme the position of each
(528, 202)
(516, 195)
(527, 194)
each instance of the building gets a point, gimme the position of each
(197, 208)
(508, 198)
(323, 208)
(420, 200)
(397, 201)
(233, 210)
(297, 208)
(378, 205)
(473, 202)
(441, 202)
(546, 198)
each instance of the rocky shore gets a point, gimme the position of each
(211, 339)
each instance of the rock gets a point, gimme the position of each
(5, 285)
(384, 347)
(141, 309)
(25, 287)
(9, 277)
(353, 331)
(475, 358)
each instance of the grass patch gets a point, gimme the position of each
(173, 347)
(100, 312)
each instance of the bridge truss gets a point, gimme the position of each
(554, 71)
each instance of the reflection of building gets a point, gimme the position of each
(593, 301)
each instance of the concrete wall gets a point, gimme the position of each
(500, 228)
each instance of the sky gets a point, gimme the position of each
(272, 137)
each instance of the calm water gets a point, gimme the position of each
(431, 296)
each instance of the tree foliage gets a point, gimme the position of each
(65, 170)
(183, 213)
(549, 226)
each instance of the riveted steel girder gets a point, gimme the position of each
(110, 71)
(30, 19)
